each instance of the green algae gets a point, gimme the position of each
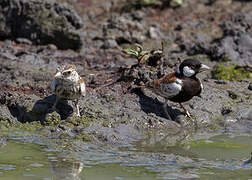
(84, 137)
(231, 72)
(52, 119)
(211, 173)
(9, 125)
(224, 144)
(222, 147)
(83, 121)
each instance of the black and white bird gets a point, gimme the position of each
(181, 85)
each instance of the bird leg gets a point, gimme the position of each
(76, 103)
(165, 110)
(55, 103)
(185, 111)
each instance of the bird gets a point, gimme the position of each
(68, 85)
(179, 86)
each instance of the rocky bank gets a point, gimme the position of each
(32, 47)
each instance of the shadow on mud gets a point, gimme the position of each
(150, 105)
(40, 110)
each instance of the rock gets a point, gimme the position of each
(5, 114)
(23, 41)
(110, 43)
(41, 22)
(154, 33)
(235, 45)
(250, 86)
(52, 118)
(226, 110)
(137, 15)
(249, 115)
(123, 29)
(232, 94)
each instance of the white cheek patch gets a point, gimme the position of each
(171, 89)
(57, 75)
(188, 72)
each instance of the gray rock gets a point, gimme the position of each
(110, 43)
(235, 45)
(250, 86)
(41, 22)
(154, 33)
(5, 113)
(123, 29)
(249, 115)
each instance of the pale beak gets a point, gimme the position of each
(58, 75)
(204, 67)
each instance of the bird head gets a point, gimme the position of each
(67, 73)
(191, 67)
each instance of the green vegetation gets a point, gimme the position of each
(76, 121)
(151, 58)
(232, 72)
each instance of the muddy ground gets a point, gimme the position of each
(218, 33)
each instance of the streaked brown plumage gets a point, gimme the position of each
(68, 85)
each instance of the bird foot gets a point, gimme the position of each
(77, 114)
(187, 114)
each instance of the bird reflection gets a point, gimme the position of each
(66, 169)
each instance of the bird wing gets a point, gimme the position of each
(82, 87)
(53, 85)
(169, 85)
(169, 78)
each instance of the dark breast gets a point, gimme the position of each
(191, 87)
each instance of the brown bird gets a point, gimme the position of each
(68, 85)
(179, 86)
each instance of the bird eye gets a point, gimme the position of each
(66, 73)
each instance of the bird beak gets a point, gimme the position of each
(204, 67)
(58, 75)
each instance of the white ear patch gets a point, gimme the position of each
(188, 72)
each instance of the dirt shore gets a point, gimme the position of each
(210, 31)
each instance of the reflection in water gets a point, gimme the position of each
(66, 169)
(2, 142)
(218, 157)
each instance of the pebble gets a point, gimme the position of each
(250, 86)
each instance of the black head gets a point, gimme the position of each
(191, 67)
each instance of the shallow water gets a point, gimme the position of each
(220, 157)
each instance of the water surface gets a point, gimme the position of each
(220, 157)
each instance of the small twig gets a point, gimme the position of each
(107, 84)
(162, 46)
